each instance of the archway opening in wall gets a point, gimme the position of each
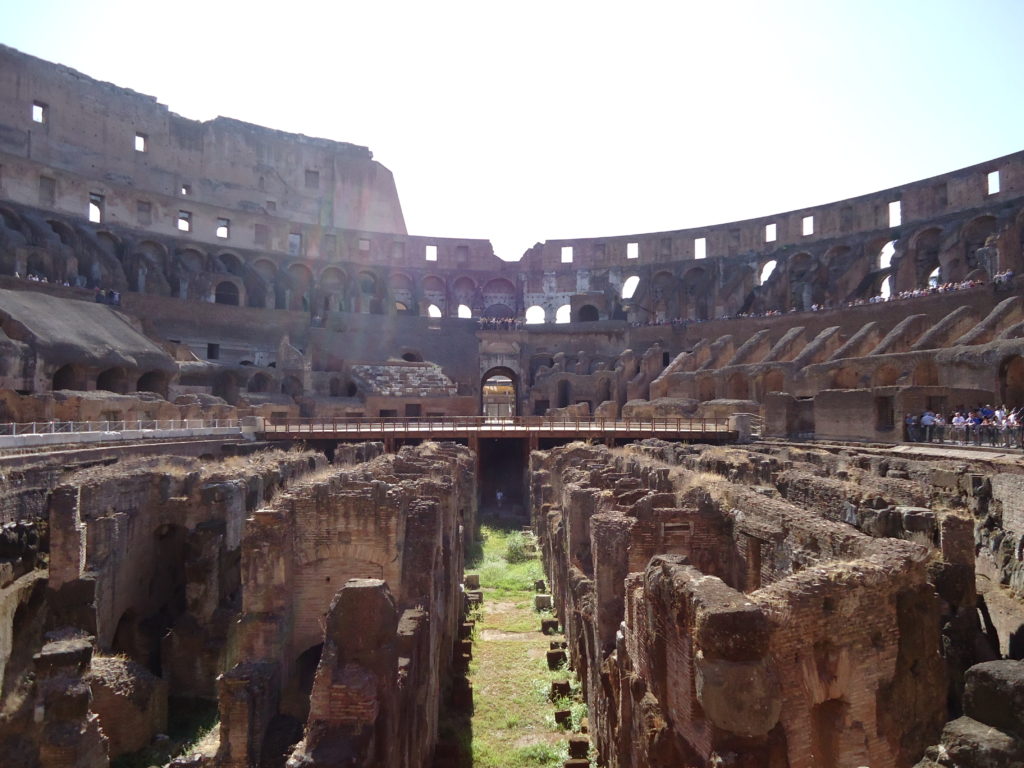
(351, 389)
(564, 394)
(433, 311)
(706, 389)
(68, 377)
(260, 383)
(535, 315)
(563, 314)
(885, 291)
(412, 357)
(774, 381)
(499, 311)
(629, 287)
(767, 270)
(291, 386)
(152, 381)
(739, 387)
(587, 314)
(935, 277)
(845, 378)
(887, 376)
(499, 390)
(465, 312)
(113, 380)
(885, 255)
(926, 374)
(1011, 381)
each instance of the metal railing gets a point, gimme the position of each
(541, 424)
(112, 426)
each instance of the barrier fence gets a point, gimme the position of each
(470, 424)
(134, 425)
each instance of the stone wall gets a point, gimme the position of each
(785, 607)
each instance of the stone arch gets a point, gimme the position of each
(535, 315)
(69, 376)
(662, 299)
(152, 381)
(845, 377)
(226, 386)
(265, 276)
(497, 372)
(564, 393)
(804, 286)
(464, 292)
(926, 374)
(368, 287)
(226, 261)
(260, 383)
(113, 380)
(499, 291)
(696, 294)
(291, 386)
(227, 292)
(886, 375)
(434, 291)
(187, 264)
(924, 253)
(706, 388)
(738, 386)
(773, 381)
(587, 314)
(333, 285)
(402, 292)
(974, 236)
(300, 281)
(1011, 381)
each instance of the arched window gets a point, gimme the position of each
(465, 312)
(587, 313)
(563, 314)
(629, 287)
(535, 315)
(226, 293)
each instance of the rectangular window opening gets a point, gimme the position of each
(567, 254)
(40, 112)
(700, 247)
(808, 225)
(140, 142)
(47, 191)
(364, 245)
(431, 252)
(144, 212)
(993, 182)
(294, 244)
(186, 190)
(632, 250)
(212, 351)
(312, 179)
(462, 253)
(895, 213)
(96, 208)
(184, 221)
(223, 228)
(770, 233)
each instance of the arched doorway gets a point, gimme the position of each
(499, 394)
(1011, 381)
(226, 293)
(587, 314)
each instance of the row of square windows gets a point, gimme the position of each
(700, 244)
(261, 233)
(41, 114)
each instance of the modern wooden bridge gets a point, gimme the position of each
(471, 428)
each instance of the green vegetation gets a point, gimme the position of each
(512, 725)
(192, 726)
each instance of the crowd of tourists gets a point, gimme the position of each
(499, 323)
(982, 425)
(999, 279)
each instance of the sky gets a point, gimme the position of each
(527, 121)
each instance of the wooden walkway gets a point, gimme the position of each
(532, 428)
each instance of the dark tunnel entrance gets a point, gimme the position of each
(502, 466)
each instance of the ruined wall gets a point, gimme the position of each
(784, 607)
(377, 546)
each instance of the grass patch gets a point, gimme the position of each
(512, 725)
(192, 726)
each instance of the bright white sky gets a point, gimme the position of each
(526, 121)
